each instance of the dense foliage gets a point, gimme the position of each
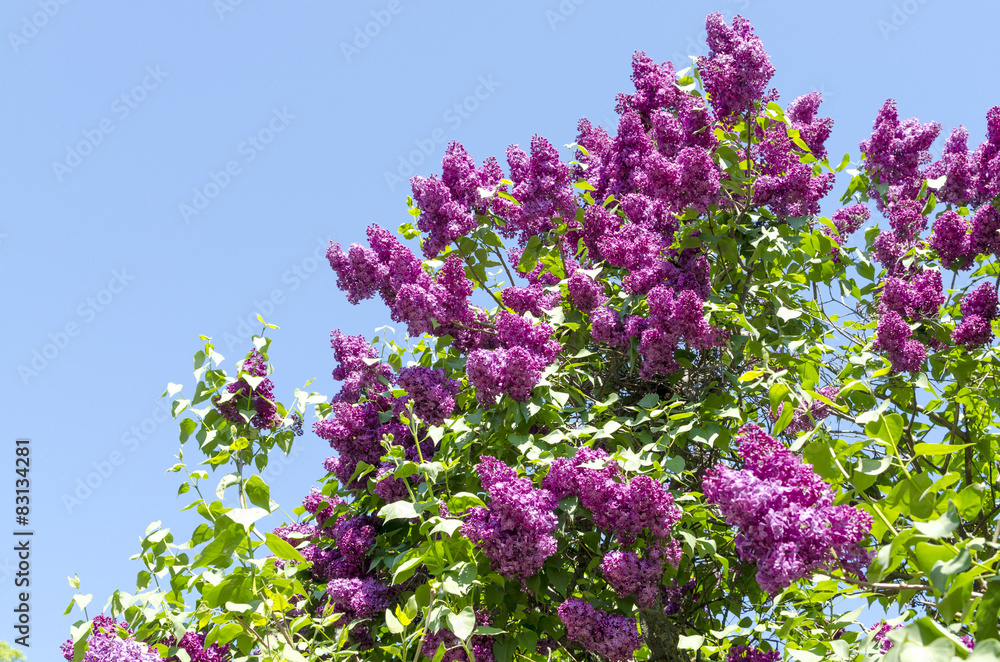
(651, 404)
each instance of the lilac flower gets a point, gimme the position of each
(358, 598)
(531, 299)
(449, 205)
(950, 238)
(358, 376)
(609, 635)
(516, 366)
(193, 643)
(585, 293)
(987, 158)
(907, 219)
(623, 508)
(104, 644)
(751, 654)
(985, 239)
(918, 298)
(542, 186)
(893, 337)
(783, 510)
(890, 248)
(515, 530)
(880, 635)
(481, 644)
(320, 505)
(979, 308)
(673, 317)
(737, 69)
(431, 391)
(959, 166)
(813, 130)
(631, 576)
(260, 398)
(896, 150)
(606, 327)
(849, 220)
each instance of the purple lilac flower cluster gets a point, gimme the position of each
(632, 576)
(896, 150)
(261, 398)
(973, 177)
(104, 644)
(783, 509)
(880, 635)
(979, 309)
(737, 69)
(193, 643)
(751, 654)
(430, 390)
(438, 305)
(352, 354)
(515, 529)
(481, 644)
(910, 297)
(449, 205)
(807, 415)
(787, 186)
(951, 239)
(847, 220)
(516, 366)
(623, 508)
(674, 317)
(608, 635)
(543, 188)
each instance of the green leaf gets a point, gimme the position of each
(282, 549)
(938, 449)
(462, 623)
(258, 492)
(226, 482)
(941, 571)
(690, 643)
(397, 510)
(245, 517)
(393, 623)
(462, 501)
(988, 612)
(940, 527)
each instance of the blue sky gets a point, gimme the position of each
(174, 168)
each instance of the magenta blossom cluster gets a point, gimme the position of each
(751, 654)
(951, 239)
(737, 69)
(973, 177)
(910, 297)
(847, 221)
(806, 415)
(260, 398)
(515, 367)
(449, 205)
(608, 635)
(193, 643)
(431, 392)
(481, 644)
(896, 150)
(359, 598)
(625, 508)
(880, 635)
(514, 530)
(436, 304)
(979, 309)
(542, 186)
(783, 509)
(353, 354)
(674, 317)
(632, 576)
(104, 644)
(787, 186)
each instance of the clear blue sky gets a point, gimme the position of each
(287, 118)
